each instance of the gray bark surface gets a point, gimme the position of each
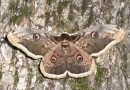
(17, 72)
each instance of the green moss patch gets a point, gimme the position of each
(79, 84)
(19, 12)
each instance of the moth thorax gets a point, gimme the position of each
(64, 45)
(65, 36)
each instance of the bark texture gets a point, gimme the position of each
(17, 72)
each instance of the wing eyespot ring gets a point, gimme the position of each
(79, 58)
(94, 34)
(53, 59)
(36, 36)
(13, 31)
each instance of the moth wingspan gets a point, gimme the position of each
(66, 54)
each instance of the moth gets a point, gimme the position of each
(66, 54)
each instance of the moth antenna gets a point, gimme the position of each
(79, 37)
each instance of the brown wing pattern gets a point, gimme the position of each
(69, 59)
(67, 54)
(98, 39)
(53, 65)
(33, 42)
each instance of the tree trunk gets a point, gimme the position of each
(17, 72)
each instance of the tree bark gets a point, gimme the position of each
(17, 72)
